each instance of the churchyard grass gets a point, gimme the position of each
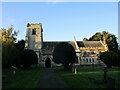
(22, 79)
(82, 78)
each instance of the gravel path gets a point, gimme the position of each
(51, 80)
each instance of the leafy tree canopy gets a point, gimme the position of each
(85, 39)
(8, 36)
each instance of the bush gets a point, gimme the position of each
(64, 53)
(29, 57)
(10, 55)
(110, 58)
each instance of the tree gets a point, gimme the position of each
(85, 39)
(9, 55)
(29, 57)
(8, 36)
(105, 35)
(110, 40)
(9, 52)
(64, 53)
(110, 58)
(96, 37)
(20, 45)
(112, 43)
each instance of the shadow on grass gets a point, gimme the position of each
(86, 77)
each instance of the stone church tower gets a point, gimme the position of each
(34, 36)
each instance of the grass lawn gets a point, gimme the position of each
(81, 79)
(22, 78)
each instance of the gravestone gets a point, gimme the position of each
(75, 71)
(14, 70)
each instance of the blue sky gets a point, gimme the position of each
(62, 20)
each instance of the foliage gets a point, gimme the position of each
(29, 57)
(8, 36)
(96, 37)
(20, 45)
(85, 39)
(64, 53)
(9, 52)
(108, 38)
(110, 58)
(9, 55)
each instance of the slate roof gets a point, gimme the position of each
(80, 44)
(52, 44)
(89, 44)
(48, 47)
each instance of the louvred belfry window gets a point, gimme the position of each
(33, 31)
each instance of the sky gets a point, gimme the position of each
(61, 21)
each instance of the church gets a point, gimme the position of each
(86, 51)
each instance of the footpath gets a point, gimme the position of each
(51, 80)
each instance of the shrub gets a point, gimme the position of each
(64, 53)
(29, 57)
(110, 58)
